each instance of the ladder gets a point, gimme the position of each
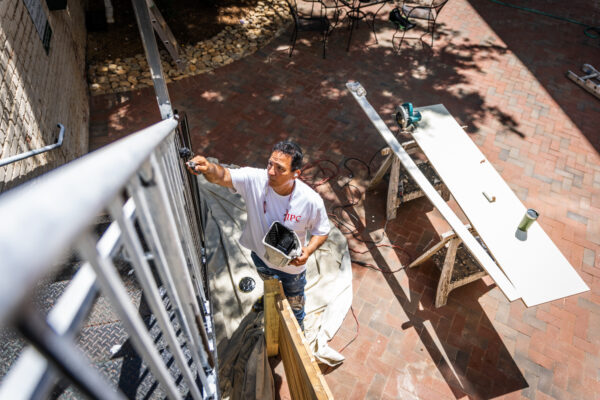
(590, 82)
(164, 32)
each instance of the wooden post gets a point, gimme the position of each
(392, 195)
(429, 253)
(305, 380)
(272, 291)
(441, 297)
(284, 336)
(381, 171)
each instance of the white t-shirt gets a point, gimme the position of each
(305, 211)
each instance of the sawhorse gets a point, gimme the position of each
(462, 273)
(392, 163)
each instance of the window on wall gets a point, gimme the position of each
(40, 21)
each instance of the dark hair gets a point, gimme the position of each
(291, 149)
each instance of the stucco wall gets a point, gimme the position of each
(38, 90)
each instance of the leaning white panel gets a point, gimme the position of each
(474, 247)
(535, 266)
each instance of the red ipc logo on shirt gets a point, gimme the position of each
(291, 217)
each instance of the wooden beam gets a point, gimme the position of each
(301, 369)
(381, 171)
(272, 293)
(467, 280)
(410, 146)
(441, 296)
(284, 336)
(429, 253)
(392, 195)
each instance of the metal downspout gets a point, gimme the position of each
(22, 156)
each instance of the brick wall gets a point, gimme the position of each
(39, 90)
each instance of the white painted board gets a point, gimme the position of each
(457, 226)
(535, 266)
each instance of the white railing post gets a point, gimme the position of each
(146, 280)
(151, 219)
(114, 289)
(179, 263)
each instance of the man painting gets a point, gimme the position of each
(276, 194)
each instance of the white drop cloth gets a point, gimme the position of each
(240, 346)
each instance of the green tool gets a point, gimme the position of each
(406, 117)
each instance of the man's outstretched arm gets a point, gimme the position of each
(214, 173)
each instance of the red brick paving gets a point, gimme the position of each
(500, 71)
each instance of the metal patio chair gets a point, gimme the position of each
(356, 12)
(426, 10)
(309, 23)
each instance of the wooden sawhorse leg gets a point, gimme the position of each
(391, 161)
(444, 287)
(445, 284)
(445, 238)
(392, 194)
(387, 163)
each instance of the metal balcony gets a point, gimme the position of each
(141, 182)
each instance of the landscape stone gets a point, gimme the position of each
(266, 21)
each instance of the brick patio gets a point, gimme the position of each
(500, 72)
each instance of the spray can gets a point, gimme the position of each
(528, 219)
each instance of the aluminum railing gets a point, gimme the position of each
(139, 178)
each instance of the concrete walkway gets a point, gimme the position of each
(500, 72)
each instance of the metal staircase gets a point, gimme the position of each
(142, 182)
(131, 315)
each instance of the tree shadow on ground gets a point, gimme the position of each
(446, 74)
(549, 48)
(239, 111)
(304, 98)
(459, 337)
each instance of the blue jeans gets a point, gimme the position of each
(293, 286)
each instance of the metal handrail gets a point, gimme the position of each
(43, 218)
(59, 216)
(31, 153)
